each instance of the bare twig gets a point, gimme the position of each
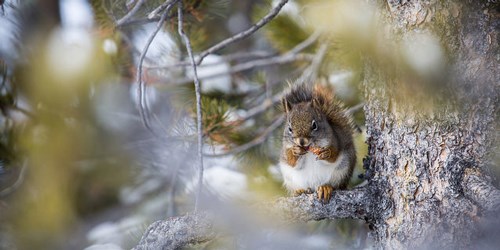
(143, 104)
(260, 139)
(263, 107)
(160, 8)
(131, 13)
(227, 58)
(251, 65)
(244, 34)
(189, 49)
(176, 232)
(140, 21)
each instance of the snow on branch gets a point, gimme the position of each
(176, 232)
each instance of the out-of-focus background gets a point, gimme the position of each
(78, 168)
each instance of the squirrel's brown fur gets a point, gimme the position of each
(322, 97)
(317, 126)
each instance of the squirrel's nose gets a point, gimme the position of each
(303, 142)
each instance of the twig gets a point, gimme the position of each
(143, 105)
(189, 49)
(141, 21)
(131, 13)
(263, 107)
(251, 65)
(260, 139)
(160, 8)
(267, 18)
(227, 58)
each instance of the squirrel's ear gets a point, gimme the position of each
(286, 105)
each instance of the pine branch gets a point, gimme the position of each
(177, 232)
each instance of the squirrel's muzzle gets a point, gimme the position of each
(302, 142)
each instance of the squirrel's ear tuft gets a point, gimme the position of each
(316, 103)
(286, 105)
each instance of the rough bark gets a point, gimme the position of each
(176, 232)
(418, 159)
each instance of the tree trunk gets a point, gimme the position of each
(419, 161)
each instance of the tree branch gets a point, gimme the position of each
(352, 204)
(197, 88)
(242, 35)
(277, 60)
(177, 232)
(131, 13)
(143, 104)
(478, 188)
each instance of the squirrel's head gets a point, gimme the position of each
(305, 124)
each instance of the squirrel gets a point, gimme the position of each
(318, 151)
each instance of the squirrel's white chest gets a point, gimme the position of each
(312, 173)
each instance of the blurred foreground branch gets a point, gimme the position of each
(176, 232)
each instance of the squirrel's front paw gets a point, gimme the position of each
(327, 154)
(324, 154)
(298, 151)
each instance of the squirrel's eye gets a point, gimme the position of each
(290, 129)
(314, 126)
